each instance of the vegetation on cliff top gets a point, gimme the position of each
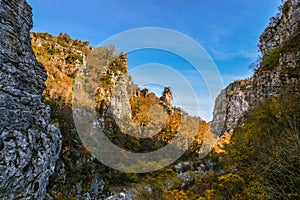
(270, 61)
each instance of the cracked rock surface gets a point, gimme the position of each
(29, 143)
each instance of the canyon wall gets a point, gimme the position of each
(29, 142)
(278, 70)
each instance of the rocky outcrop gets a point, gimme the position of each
(278, 71)
(167, 96)
(29, 143)
(63, 58)
(167, 100)
(115, 89)
(231, 104)
(281, 28)
(77, 173)
(123, 58)
(120, 98)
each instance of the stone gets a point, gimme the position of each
(123, 58)
(29, 143)
(167, 100)
(167, 96)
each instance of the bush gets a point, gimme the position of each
(105, 81)
(73, 57)
(285, 9)
(45, 36)
(263, 153)
(53, 51)
(270, 61)
(117, 65)
(64, 37)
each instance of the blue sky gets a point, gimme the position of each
(228, 30)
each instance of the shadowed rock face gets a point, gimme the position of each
(167, 96)
(29, 143)
(167, 100)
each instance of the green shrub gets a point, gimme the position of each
(53, 51)
(285, 8)
(45, 36)
(117, 65)
(73, 57)
(64, 37)
(105, 81)
(270, 61)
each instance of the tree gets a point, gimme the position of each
(264, 151)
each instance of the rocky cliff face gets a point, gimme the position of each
(167, 99)
(115, 89)
(77, 173)
(278, 71)
(29, 143)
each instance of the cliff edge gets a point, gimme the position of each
(278, 70)
(29, 142)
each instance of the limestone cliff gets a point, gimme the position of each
(167, 99)
(106, 87)
(29, 143)
(115, 89)
(77, 172)
(278, 71)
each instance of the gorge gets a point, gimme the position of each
(42, 156)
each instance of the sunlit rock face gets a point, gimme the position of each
(279, 70)
(29, 143)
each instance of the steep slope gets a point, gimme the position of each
(29, 143)
(106, 87)
(279, 70)
(77, 173)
